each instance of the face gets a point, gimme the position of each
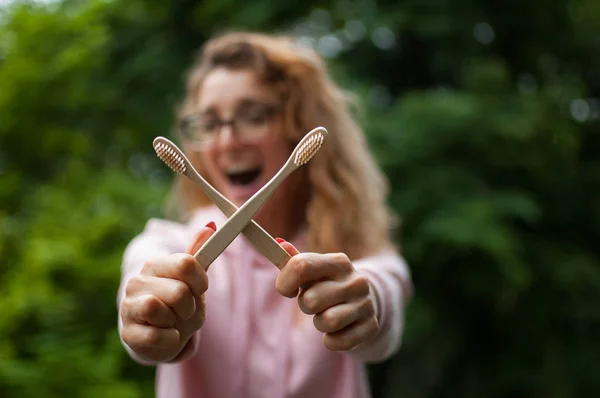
(237, 163)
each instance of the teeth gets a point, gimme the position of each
(240, 168)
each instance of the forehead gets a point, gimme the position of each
(224, 89)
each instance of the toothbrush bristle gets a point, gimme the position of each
(309, 147)
(170, 157)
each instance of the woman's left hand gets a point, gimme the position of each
(334, 292)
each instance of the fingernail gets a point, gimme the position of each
(212, 225)
(279, 240)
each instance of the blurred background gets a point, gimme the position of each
(485, 116)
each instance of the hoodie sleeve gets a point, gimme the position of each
(391, 288)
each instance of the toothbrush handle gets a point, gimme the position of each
(259, 238)
(219, 241)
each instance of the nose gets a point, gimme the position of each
(227, 137)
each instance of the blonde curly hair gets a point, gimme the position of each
(346, 211)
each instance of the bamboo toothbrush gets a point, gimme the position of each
(173, 157)
(304, 151)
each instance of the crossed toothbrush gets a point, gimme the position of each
(240, 219)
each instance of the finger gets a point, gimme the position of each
(182, 267)
(148, 309)
(338, 317)
(352, 336)
(188, 327)
(328, 293)
(138, 336)
(201, 237)
(291, 249)
(305, 268)
(174, 293)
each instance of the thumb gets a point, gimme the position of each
(288, 247)
(201, 237)
(291, 249)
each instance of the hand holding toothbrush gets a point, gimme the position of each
(334, 292)
(164, 305)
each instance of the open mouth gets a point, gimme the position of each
(245, 177)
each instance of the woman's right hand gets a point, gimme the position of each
(164, 305)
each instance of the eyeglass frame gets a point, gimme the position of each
(183, 126)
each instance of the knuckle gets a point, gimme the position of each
(151, 305)
(127, 336)
(185, 265)
(302, 265)
(147, 267)
(336, 343)
(342, 261)
(360, 285)
(310, 301)
(329, 321)
(329, 342)
(341, 258)
(180, 292)
(124, 308)
(128, 310)
(150, 337)
(346, 341)
(134, 285)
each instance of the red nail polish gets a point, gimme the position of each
(279, 240)
(212, 225)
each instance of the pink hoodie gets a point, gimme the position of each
(250, 345)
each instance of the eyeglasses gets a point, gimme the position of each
(250, 124)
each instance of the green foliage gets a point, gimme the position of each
(58, 308)
(506, 262)
(483, 116)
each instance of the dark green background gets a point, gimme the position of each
(484, 115)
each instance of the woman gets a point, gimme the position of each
(308, 330)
